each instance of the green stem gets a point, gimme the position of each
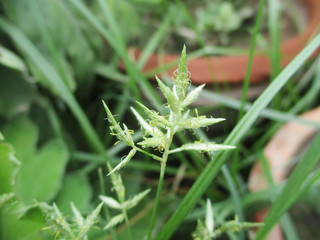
(246, 82)
(161, 177)
(149, 154)
(124, 212)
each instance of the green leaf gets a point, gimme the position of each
(114, 221)
(40, 176)
(22, 133)
(17, 93)
(124, 161)
(11, 60)
(71, 192)
(292, 188)
(135, 200)
(9, 166)
(202, 147)
(29, 227)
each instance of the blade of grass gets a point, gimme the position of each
(50, 44)
(154, 40)
(234, 138)
(133, 71)
(266, 113)
(274, 30)
(246, 81)
(293, 185)
(235, 197)
(119, 41)
(285, 219)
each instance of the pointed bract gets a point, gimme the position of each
(89, 221)
(202, 147)
(155, 118)
(135, 200)
(192, 96)
(198, 122)
(153, 131)
(181, 78)
(209, 217)
(125, 161)
(110, 202)
(114, 221)
(169, 95)
(77, 215)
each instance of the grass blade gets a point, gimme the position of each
(293, 186)
(246, 81)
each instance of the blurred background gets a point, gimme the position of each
(59, 59)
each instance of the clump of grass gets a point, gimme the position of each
(159, 130)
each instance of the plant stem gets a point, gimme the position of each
(161, 177)
(149, 154)
(124, 212)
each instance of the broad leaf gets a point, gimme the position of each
(40, 176)
(71, 192)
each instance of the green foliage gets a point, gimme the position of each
(9, 166)
(51, 159)
(17, 93)
(76, 188)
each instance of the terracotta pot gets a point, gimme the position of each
(285, 144)
(232, 68)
